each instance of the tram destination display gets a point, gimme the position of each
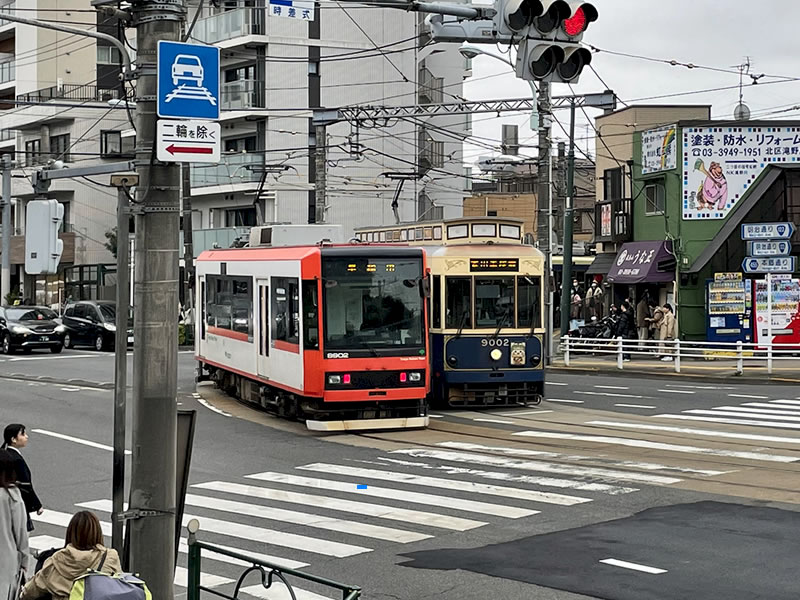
(482, 265)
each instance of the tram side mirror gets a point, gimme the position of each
(425, 287)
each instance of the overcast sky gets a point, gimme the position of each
(708, 33)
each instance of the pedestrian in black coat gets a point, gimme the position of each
(15, 438)
(626, 327)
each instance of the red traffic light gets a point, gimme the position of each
(576, 24)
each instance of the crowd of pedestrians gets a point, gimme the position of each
(54, 574)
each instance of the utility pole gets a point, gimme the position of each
(5, 280)
(543, 212)
(188, 241)
(321, 159)
(566, 273)
(151, 516)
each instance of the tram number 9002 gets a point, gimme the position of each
(491, 342)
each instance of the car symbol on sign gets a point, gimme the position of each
(187, 68)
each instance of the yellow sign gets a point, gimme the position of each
(727, 276)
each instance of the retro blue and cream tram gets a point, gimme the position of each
(486, 307)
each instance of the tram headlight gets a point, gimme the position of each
(496, 354)
(415, 376)
(452, 361)
(535, 359)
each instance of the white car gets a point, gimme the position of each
(187, 68)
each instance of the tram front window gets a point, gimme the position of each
(372, 304)
(529, 294)
(494, 302)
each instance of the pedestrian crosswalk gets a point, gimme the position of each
(775, 414)
(347, 508)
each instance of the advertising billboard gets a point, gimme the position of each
(659, 150)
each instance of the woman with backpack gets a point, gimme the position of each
(13, 532)
(83, 550)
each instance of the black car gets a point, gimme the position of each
(92, 323)
(28, 327)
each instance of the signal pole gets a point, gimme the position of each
(544, 212)
(151, 516)
(566, 269)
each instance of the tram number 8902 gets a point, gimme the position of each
(491, 342)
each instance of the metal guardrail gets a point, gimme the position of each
(678, 350)
(270, 573)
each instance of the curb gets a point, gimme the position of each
(728, 377)
(53, 380)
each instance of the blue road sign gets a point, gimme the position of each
(767, 231)
(188, 80)
(774, 264)
(760, 248)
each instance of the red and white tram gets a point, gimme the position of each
(331, 334)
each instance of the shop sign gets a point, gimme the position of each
(727, 277)
(659, 150)
(721, 163)
(605, 220)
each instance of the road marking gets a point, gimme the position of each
(773, 410)
(523, 412)
(698, 387)
(500, 421)
(555, 383)
(255, 534)
(610, 394)
(731, 421)
(633, 566)
(436, 416)
(379, 532)
(625, 463)
(350, 506)
(61, 357)
(611, 490)
(774, 404)
(747, 396)
(635, 406)
(279, 591)
(69, 438)
(205, 403)
(677, 391)
(451, 484)
(791, 402)
(733, 413)
(566, 401)
(616, 441)
(611, 387)
(70, 389)
(206, 580)
(546, 467)
(692, 431)
(400, 495)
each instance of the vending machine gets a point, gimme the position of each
(729, 308)
(784, 306)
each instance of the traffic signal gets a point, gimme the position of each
(42, 247)
(549, 34)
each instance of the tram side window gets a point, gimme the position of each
(229, 303)
(459, 304)
(494, 302)
(285, 310)
(529, 299)
(436, 300)
(310, 315)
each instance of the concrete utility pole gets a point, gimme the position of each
(543, 212)
(566, 273)
(321, 160)
(156, 278)
(188, 242)
(5, 280)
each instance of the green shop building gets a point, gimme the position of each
(693, 185)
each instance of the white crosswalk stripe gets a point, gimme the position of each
(279, 591)
(775, 414)
(394, 494)
(693, 431)
(350, 506)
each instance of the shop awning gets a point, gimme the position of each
(602, 264)
(638, 262)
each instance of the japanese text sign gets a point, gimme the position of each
(659, 150)
(292, 9)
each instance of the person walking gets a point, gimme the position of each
(13, 530)
(626, 328)
(14, 439)
(83, 550)
(667, 333)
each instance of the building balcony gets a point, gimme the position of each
(613, 221)
(7, 7)
(230, 24)
(242, 94)
(232, 170)
(71, 91)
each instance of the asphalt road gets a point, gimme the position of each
(597, 497)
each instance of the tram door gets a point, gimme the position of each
(263, 326)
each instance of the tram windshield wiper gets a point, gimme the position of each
(500, 324)
(463, 322)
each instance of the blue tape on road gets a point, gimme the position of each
(361, 486)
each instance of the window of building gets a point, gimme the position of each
(59, 147)
(241, 217)
(242, 144)
(612, 184)
(655, 197)
(285, 311)
(108, 55)
(491, 213)
(33, 152)
(110, 143)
